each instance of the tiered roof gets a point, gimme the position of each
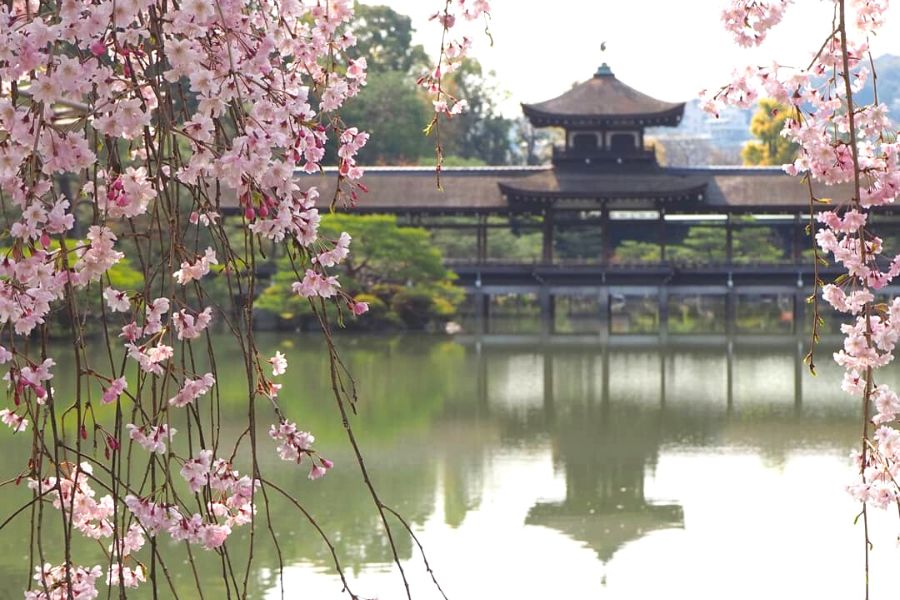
(603, 101)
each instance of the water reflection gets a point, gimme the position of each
(563, 471)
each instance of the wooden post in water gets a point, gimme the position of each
(729, 375)
(548, 312)
(730, 309)
(663, 310)
(603, 308)
(549, 399)
(799, 309)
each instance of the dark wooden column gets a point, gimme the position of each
(547, 249)
(606, 252)
(797, 248)
(729, 240)
(663, 310)
(481, 235)
(662, 235)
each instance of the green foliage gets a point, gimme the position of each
(702, 244)
(771, 148)
(707, 244)
(393, 112)
(451, 161)
(481, 132)
(632, 251)
(383, 252)
(580, 242)
(384, 37)
(414, 307)
(386, 262)
(123, 276)
(756, 245)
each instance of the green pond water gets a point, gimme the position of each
(561, 471)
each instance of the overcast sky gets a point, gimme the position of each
(670, 49)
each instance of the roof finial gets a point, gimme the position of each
(604, 70)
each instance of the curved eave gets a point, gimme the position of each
(667, 118)
(693, 193)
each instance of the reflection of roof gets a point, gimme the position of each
(603, 100)
(606, 533)
(490, 189)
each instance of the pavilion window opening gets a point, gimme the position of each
(623, 142)
(588, 141)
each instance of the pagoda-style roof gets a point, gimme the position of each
(624, 185)
(603, 101)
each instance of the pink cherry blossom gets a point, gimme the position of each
(279, 364)
(117, 301)
(115, 389)
(190, 327)
(15, 422)
(192, 389)
(153, 439)
(195, 271)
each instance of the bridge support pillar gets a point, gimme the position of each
(799, 312)
(482, 311)
(731, 312)
(663, 297)
(603, 309)
(548, 310)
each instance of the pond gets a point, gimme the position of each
(563, 471)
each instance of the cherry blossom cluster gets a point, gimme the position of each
(129, 130)
(750, 20)
(295, 444)
(230, 504)
(842, 142)
(192, 389)
(65, 582)
(454, 48)
(74, 495)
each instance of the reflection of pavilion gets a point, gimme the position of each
(605, 449)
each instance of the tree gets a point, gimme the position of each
(154, 116)
(480, 132)
(771, 148)
(384, 37)
(393, 112)
(397, 269)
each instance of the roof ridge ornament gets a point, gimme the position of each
(604, 70)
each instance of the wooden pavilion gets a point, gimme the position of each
(605, 220)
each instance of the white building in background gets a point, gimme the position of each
(702, 139)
